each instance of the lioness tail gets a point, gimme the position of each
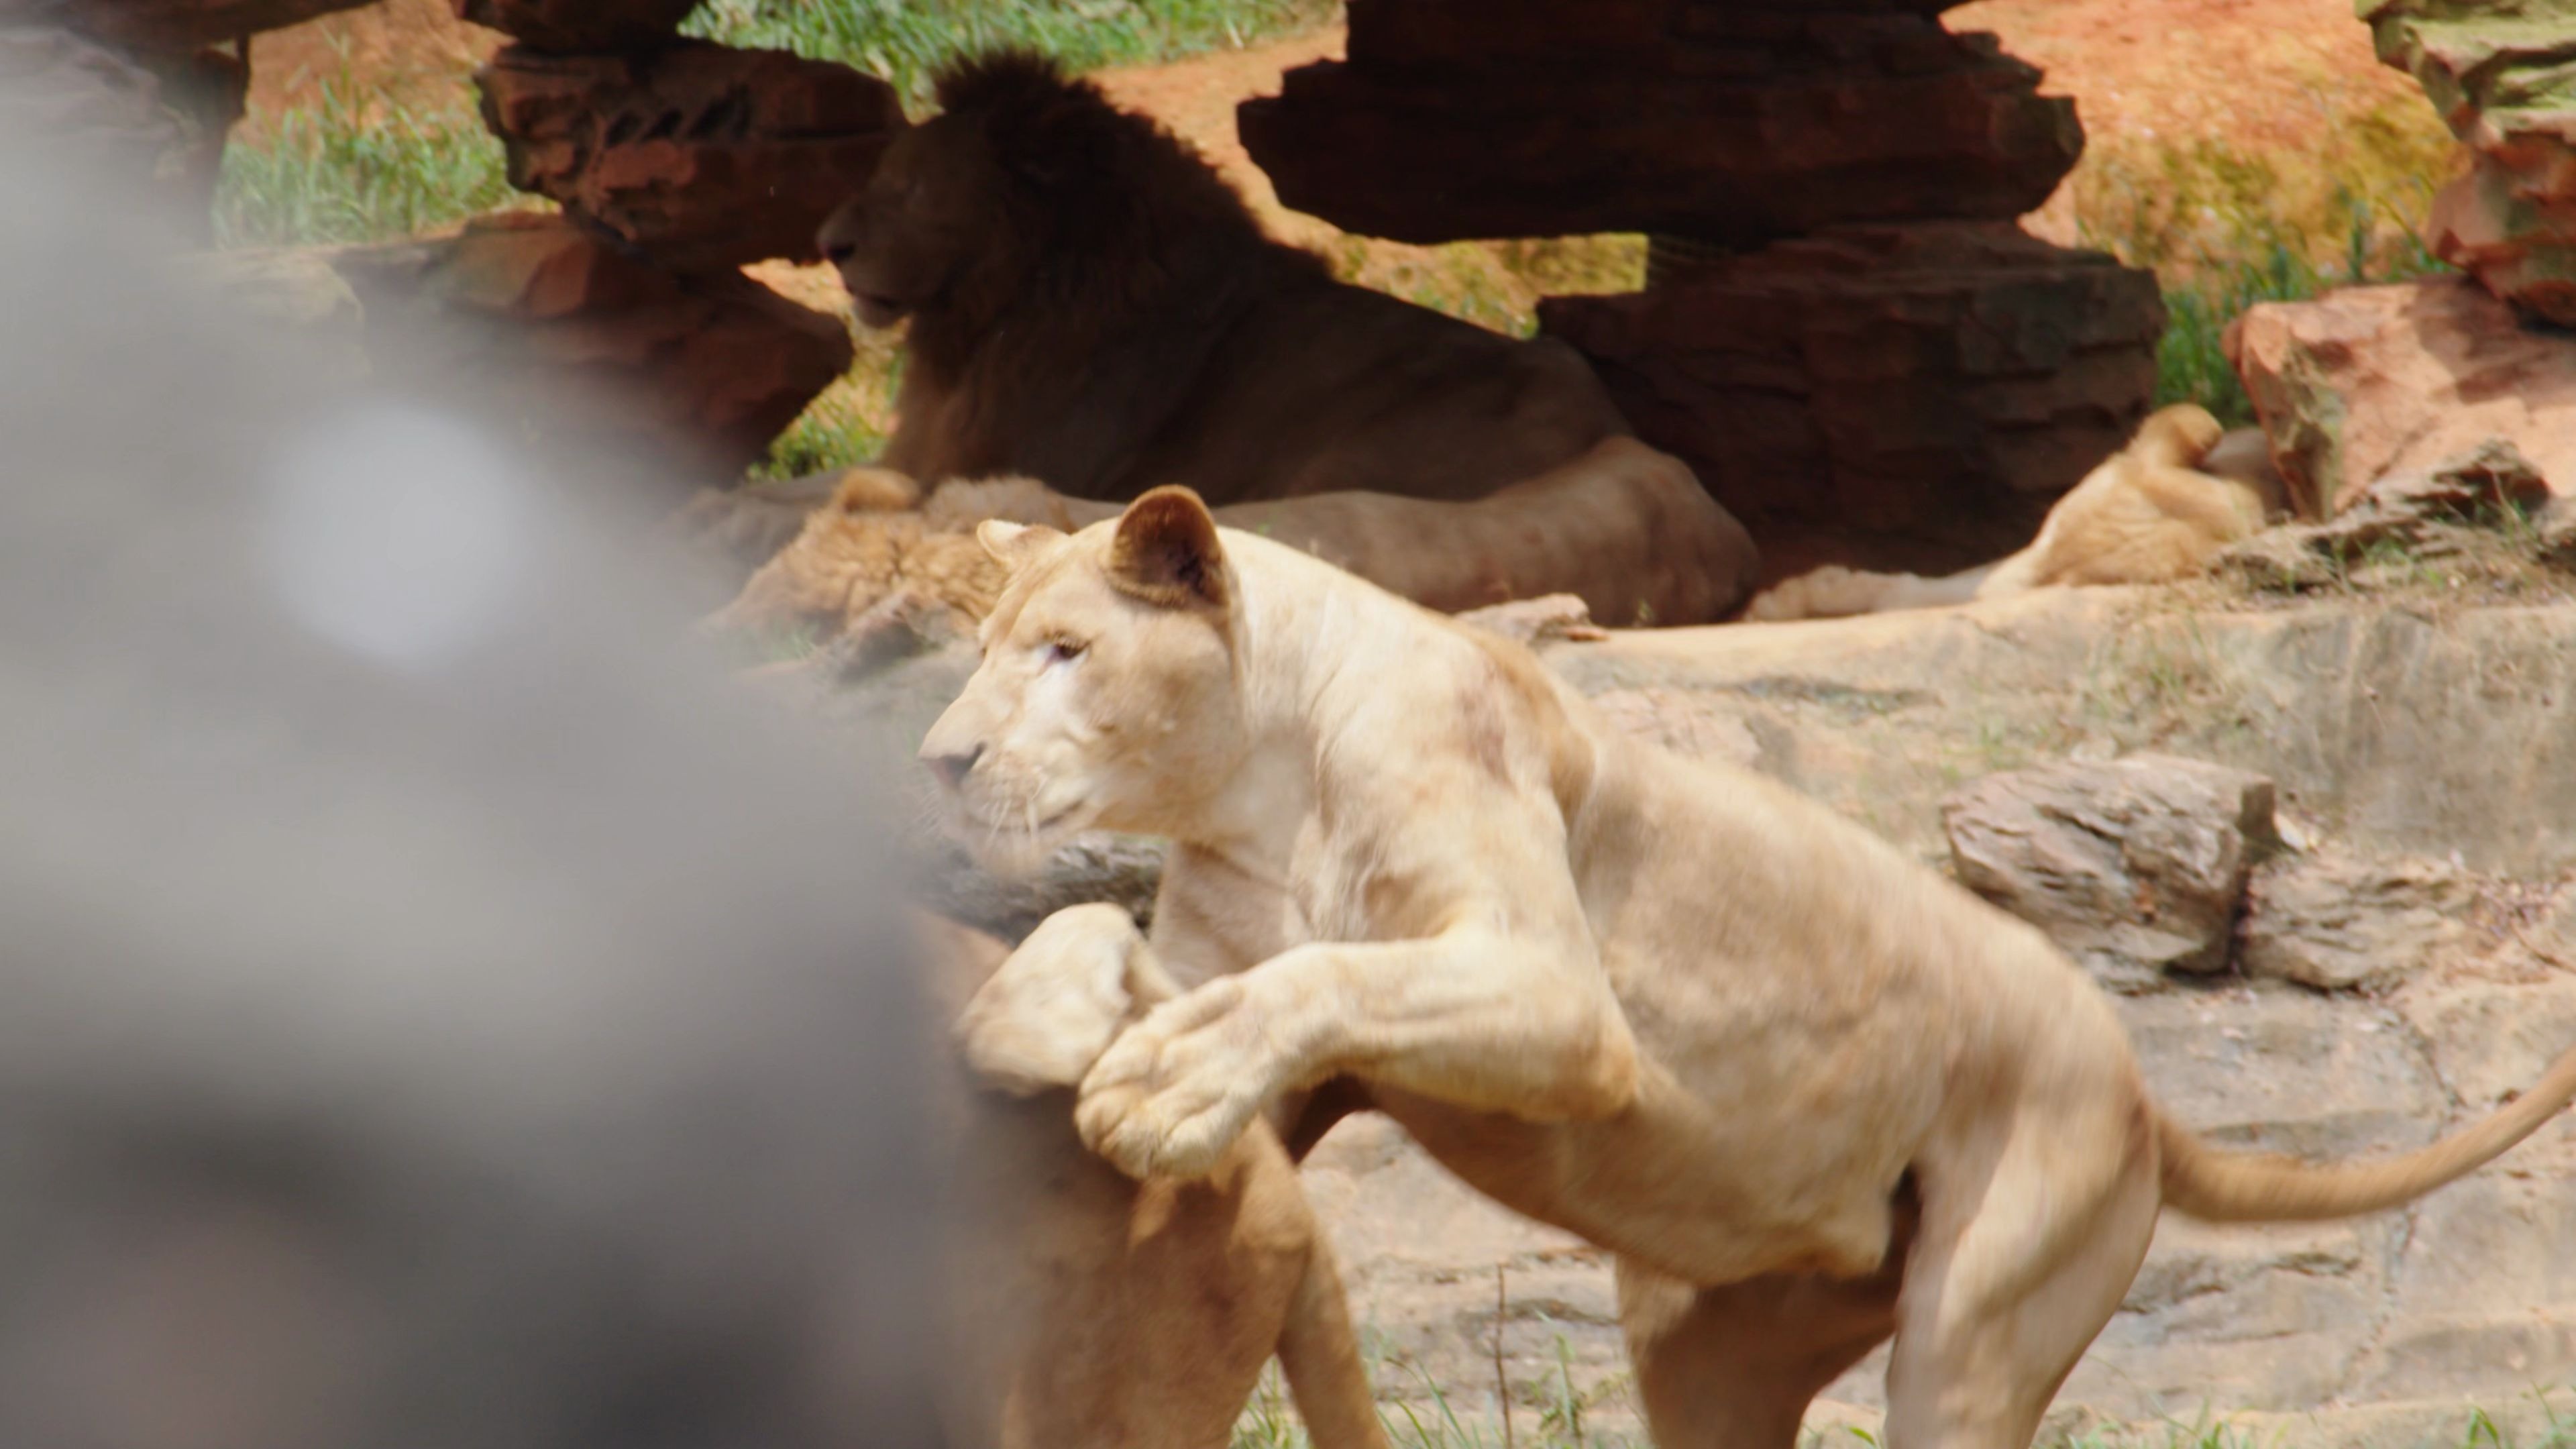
(2256, 1187)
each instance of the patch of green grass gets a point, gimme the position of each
(2191, 362)
(355, 168)
(2224, 228)
(907, 40)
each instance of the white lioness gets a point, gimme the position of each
(1809, 1092)
(2156, 512)
(1081, 1310)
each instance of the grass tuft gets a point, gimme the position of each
(2224, 227)
(906, 41)
(358, 168)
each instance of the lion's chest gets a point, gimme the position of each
(1349, 891)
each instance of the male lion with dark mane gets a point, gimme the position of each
(1092, 307)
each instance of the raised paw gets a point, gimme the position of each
(1175, 1090)
(1047, 1013)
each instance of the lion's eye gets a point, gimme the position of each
(1063, 651)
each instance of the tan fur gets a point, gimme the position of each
(2150, 514)
(863, 557)
(1811, 1093)
(1091, 306)
(1085, 1309)
(1596, 531)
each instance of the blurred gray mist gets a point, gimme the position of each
(434, 1014)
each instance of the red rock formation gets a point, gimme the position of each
(2369, 381)
(1924, 392)
(2501, 79)
(181, 27)
(1734, 120)
(700, 156)
(580, 25)
(529, 318)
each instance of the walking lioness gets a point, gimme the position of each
(1810, 1093)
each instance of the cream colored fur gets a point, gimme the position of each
(1614, 527)
(1085, 1309)
(2156, 512)
(1809, 1092)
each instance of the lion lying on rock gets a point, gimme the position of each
(886, 570)
(2156, 512)
(1811, 1094)
(1086, 1310)
(1091, 306)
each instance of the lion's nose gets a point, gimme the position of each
(952, 768)
(837, 252)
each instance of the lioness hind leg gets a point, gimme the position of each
(1321, 1357)
(2023, 1258)
(1735, 1367)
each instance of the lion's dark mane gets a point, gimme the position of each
(1108, 219)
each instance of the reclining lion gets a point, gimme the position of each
(1091, 306)
(2156, 512)
(884, 570)
(1086, 1310)
(1810, 1093)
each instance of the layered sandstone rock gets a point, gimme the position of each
(2135, 866)
(2501, 75)
(581, 25)
(157, 114)
(699, 156)
(180, 27)
(1735, 120)
(1924, 391)
(1841, 332)
(2366, 382)
(534, 320)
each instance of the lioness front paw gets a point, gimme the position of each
(1045, 1016)
(1175, 1090)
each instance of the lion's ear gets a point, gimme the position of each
(1166, 551)
(1013, 544)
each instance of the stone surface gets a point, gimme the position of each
(579, 25)
(1923, 392)
(2500, 76)
(2556, 538)
(2335, 923)
(2492, 487)
(157, 119)
(630, 360)
(703, 157)
(183, 27)
(2135, 867)
(2368, 381)
(2396, 727)
(1741, 122)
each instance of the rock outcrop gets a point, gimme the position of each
(1842, 331)
(2335, 924)
(2365, 382)
(155, 115)
(532, 319)
(1740, 122)
(2136, 866)
(2501, 76)
(695, 155)
(1923, 392)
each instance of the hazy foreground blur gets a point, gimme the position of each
(433, 1015)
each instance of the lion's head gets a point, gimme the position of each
(1026, 179)
(2177, 436)
(1108, 695)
